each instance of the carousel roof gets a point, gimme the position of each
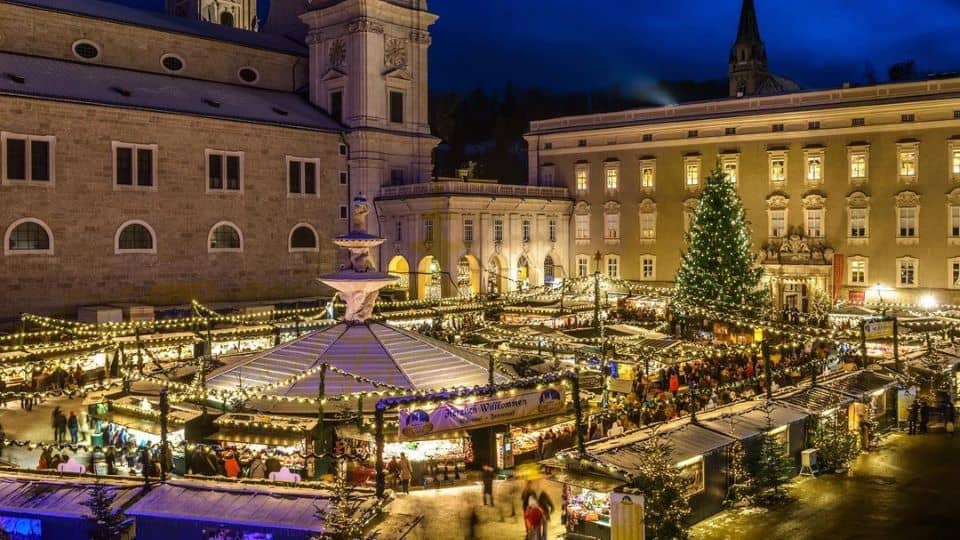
(372, 352)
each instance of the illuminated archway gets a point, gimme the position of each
(496, 275)
(549, 271)
(429, 279)
(468, 276)
(523, 272)
(401, 268)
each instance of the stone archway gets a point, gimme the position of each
(468, 276)
(429, 278)
(549, 271)
(399, 267)
(496, 275)
(523, 273)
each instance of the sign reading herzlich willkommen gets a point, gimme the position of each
(447, 416)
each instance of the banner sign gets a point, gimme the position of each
(878, 329)
(447, 416)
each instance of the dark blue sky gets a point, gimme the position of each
(583, 44)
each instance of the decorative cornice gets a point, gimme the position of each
(648, 206)
(420, 37)
(906, 199)
(858, 199)
(611, 207)
(777, 201)
(365, 25)
(582, 208)
(813, 200)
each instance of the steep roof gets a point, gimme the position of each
(85, 83)
(749, 30)
(119, 13)
(52, 497)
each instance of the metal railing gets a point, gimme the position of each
(458, 187)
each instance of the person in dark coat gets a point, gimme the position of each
(73, 426)
(273, 465)
(924, 416)
(950, 419)
(526, 494)
(546, 505)
(912, 417)
(488, 476)
(59, 425)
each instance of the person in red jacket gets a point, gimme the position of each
(231, 465)
(533, 519)
(674, 384)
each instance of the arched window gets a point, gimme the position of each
(548, 270)
(28, 236)
(135, 237)
(303, 237)
(226, 18)
(225, 236)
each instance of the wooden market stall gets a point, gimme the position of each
(747, 421)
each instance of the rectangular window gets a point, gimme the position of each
(647, 176)
(647, 266)
(778, 223)
(908, 163)
(955, 221)
(344, 212)
(396, 177)
(814, 223)
(730, 131)
(135, 165)
(343, 178)
(498, 230)
(525, 230)
(857, 122)
(613, 266)
(552, 230)
(548, 146)
(858, 223)
(396, 107)
(427, 230)
(547, 176)
(302, 176)
(907, 221)
(730, 165)
(648, 225)
(468, 230)
(858, 272)
(955, 161)
(582, 175)
(858, 166)
(336, 105)
(692, 176)
(398, 231)
(813, 125)
(612, 175)
(907, 272)
(815, 168)
(778, 167)
(28, 159)
(647, 137)
(224, 170)
(954, 274)
(776, 128)
(907, 118)
(613, 226)
(583, 266)
(693, 133)
(581, 142)
(583, 227)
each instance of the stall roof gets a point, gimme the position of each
(814, 400)
(749, 418)
(267, 438)
(282, 508)
(861, 383)
(48, 497)
(593, 482)
(686, 441)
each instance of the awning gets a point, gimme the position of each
(749, 419)
(816, 400)
(350, 431)
(139, 424)
(263, 437)
(593, 482)
(861, 384)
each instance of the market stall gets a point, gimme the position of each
(697, 452)
(284, 438)
(585, 499)
(875, 395)
(534, 440)
(747, 421)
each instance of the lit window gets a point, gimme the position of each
(815, 167)
(552, 230)
(907, 219)
(908, 163)
(907, 272)
(648, 265)
(498, 230)
(224, 171)
(525, 230)
(858, 223)
(647, 176)
(648, 225)
(135, 165)
(302, 176)
(858, 271)
(955, 161)
(427, 230)
(730, 165)
(468, 230)
(612, 227)
(27, 159)
(135, 237)
(612, 176)
(583, 227)
(955, 221)
(582, 174)
(953, 268)
(692, 172)
(858, 166)
(225, 237)
(814, 222)
(778, 168)
(583, 266)
(613, 266)
(778, 223)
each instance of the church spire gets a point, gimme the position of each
(749, 31)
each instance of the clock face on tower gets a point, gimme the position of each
(395, 53)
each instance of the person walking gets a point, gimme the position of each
(912, 417)
(533, 520)
(488, 476)
(406, 472)
(393, 470)
(73, 426)
(924, 416)
(258, 469)
(527, 495)
(59, 425)
(546, 506)
(950, 419)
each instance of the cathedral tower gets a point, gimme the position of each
(748, 57)
(235, 13)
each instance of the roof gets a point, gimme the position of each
(815, 400)
(861, 383)
(686, 441)
(246, 505)
(101, 85)
(748, 419)
(749, 30)
(123, 14)
(54, 498)
(373, 351)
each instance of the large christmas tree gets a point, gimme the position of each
(720, 264)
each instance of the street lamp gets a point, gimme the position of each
(596, 288)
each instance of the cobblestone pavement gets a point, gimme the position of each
(908, 488)
(34, 426)
(447, 512)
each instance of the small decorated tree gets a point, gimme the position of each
(836, 445)
(741, 481)
(774, 466)
(664, 492)
(343, 517)
(107, 522)
(720, 264)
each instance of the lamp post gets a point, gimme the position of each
(164, 414)
(596, 289)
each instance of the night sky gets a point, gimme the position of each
(586, 44)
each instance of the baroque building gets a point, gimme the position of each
(852, 193)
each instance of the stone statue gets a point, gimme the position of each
(360, 260)
(358, 222)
